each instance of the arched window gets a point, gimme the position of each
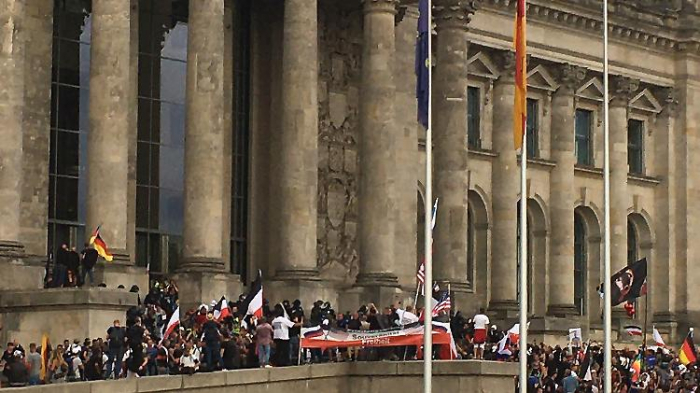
(580, 258)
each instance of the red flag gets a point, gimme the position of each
(520, 108)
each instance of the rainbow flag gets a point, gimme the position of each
(100, 245)
(520, 108)
(636, 368)
(687, 353)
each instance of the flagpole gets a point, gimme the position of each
(607, 349)
(428, 328)
(523, 266)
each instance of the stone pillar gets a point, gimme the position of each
(37, 112)
(561, 268)
(204, 138)
(505, 186)
(228, 134)
(407, 152)
(108, 138)
(298, 177)
(11, 132)
(622, 89)
(377, 151)
(663, 288)
(133, 130)
(451, 153)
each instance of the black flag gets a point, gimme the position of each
(629, 283)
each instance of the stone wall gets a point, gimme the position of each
(374, 377)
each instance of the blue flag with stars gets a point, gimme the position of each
(422, 63)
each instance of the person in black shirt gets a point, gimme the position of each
(93, 366)
(115, 337)
(9, 355)
(59, 269)
(73, 267)
(16, 371)
(88, 262)
(212, 339)
(232, 353)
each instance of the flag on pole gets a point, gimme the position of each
(629, 283)
(586, 364)
(633, 330)
(657, 338)
(687, 352)
(423, 63)
(520, 109)
(173, 323)
(420, 275)
(444, 304)
(253, 303)
(221, 309)
(100, 245)
(44, 356)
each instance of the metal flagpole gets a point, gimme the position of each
(427, 311)
(607, 348)
(523, 265)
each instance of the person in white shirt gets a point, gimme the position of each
(481, 324)
(407, 316)
(188, 362)
(280, 326)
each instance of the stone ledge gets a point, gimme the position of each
(66, 297)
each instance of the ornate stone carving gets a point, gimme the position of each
(669, 100)
(569, 77)
(454, 13)
(505, 60)
(340, 49)
(622, 88)
(380, 6)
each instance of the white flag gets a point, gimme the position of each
(658, 339)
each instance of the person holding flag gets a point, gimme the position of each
(100, 246)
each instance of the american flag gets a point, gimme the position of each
(420, 275)
(444, 304)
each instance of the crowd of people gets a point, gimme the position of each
(207, 339)
(70, 268)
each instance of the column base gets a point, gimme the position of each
(553, 330)
(120, 257)
(11, 251)
(296, 275)
(380, 295)
(197, 287)
(562, 310)
(504, 309)
(377, 280)
(121, 272)
(306, 291)
(202, 264)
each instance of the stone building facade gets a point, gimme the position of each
(211, 139)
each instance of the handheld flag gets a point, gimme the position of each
(253, 303)
(657, 338)
(221, 310)
(444, 304)
(173, 323)
(100, 245)
(586, 364)
(687, 352)
(636, 368)
(423, 63)
(420, 275)
(629, 283)
(520, 105)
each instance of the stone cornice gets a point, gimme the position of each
(387, 6)
(454, 13)
(655, 28)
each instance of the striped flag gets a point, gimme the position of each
(100, 245)
(253, 303)
(520, 108)
(633, 330)
(657, 338)
(444, 304)
(173, 323)
(687, 352)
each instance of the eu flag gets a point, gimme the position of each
(422, 63)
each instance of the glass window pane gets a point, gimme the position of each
(145, 75)
(154, 252)
(142, 207)
(142, 163)
(68, 108)
(67, 199)
(155, 165)
(171, 211)
(175, 73)
(172, 124)
(54, 104)
(68, 153)
(532, 127)
(155, 121)
(153, 208)
(175, 46)
(141, 249)
(52, 197)
(144, 120)
(172, 158)
(474, 117)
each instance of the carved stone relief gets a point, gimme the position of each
(340, 40)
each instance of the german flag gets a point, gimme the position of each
(100, 245)
(687, 353)
(520, 109)
(44, 356)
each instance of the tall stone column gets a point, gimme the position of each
(451, 152)
(505, 181)
(108, 138)
(561, 268)
(11, 132)
(377, 202)
(622, 89)
(204, 138)
(298, 177)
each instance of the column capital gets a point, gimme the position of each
(380, 6)
(454, 14)
(622, 89)
(569, 77)
(669, 99)
(505, 61)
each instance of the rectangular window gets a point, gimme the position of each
(583, 137)
(474, 117)
(635, 146)
(532, 127)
